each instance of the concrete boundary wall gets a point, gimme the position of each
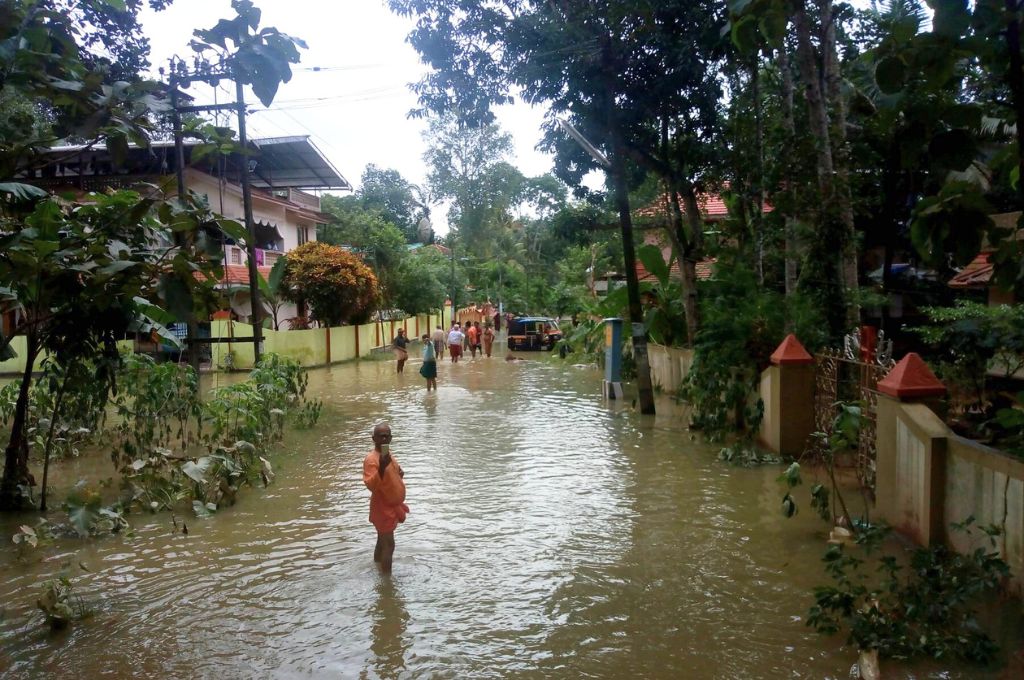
(669, 366)
(930, 478)
(313, 347)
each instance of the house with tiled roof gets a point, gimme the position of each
(713, 209)
(977, 275)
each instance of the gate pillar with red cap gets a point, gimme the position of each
(787, 391)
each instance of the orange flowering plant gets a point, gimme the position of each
(336, 284)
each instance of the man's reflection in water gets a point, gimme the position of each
(388, 639)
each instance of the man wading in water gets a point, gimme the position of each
(383, 476)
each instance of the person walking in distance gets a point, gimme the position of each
(473, 338)
(488, 339)
(438, 338)
(399, 347)
(455, 337)
(429, 368)
(385, 479)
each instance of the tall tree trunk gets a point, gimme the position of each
(638, 334)
(817, 112)
(694, 246)
(16, 455)
(687, 247)
(841, 160)
(792, 243)
(822, 275)
(49, 438)
(636, 315)
(758, 216)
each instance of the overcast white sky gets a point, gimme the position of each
(356, 113)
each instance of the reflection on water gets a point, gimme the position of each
(549, 536)
(387, 631)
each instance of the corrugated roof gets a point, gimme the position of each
(281, 162)
(294, 162)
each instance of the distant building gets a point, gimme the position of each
(281, 168)
(652, 220)
(977, 275)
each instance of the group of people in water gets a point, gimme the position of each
(471, 338)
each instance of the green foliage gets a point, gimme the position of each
(83, 277)
(585, 341)
(968, 341)
(923, 609)
(742, 324)
(746, 455)
(30, 538)
(420, 284)
(953, 221)
(165, 426)
(338, 286)
(261, 58)
(60, 604)
(844, 434)
(398, 201)
(664, 313)
(1012, 421)
(88, 515)
(271, 291)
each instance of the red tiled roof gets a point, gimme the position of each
(712, 207)
(656, 238)
(976, 274)
(238, 274)
(705, 270)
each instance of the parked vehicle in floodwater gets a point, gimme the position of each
(533, 333)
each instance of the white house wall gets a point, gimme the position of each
(229, 204)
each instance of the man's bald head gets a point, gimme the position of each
(381, 434)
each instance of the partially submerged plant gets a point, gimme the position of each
(925, 608)
(60, 604)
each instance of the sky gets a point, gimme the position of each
(356, 110)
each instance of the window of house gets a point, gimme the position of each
(234, 256)
(269, 258)
(303, 235)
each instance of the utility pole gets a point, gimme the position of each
(179, 163)
(250, 230)
(204, 72)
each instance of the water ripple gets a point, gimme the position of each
(550, 535)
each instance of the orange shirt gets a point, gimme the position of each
(474, 335)
(387, 492)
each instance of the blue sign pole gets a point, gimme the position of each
(612, 386)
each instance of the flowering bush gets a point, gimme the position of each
(336, 284)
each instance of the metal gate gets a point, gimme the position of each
(851, 375)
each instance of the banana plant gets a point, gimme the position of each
(664, 314)
(271, 291)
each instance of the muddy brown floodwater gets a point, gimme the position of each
(550, 536)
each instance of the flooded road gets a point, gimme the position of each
(549, 537)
